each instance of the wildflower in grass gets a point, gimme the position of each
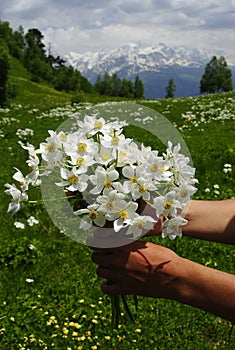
(32, 221)
(227, 168)
(19, 225)
(29, 280)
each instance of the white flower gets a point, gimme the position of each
(74, 181)
(19, 225)
(79, 146)
(115, 141)
(104, 179)
(32, 247)
(33, 164)
(29, 280)
(91, 125)
(166, 205)
(18, 198)
(111, 202)
(227, 168)
(105, 156)
(94, 215)
(51, 150)
(125, 216)
(172, 227)
(185, 191)
(139, 225)
(81, 162)
(156, 167)
(19, 177)
(129, 155)
(32, 221)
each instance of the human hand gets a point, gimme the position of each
(140, 268)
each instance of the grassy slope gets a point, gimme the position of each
(61, 269)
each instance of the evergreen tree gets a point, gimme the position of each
(217, 76)
(116, 85)
(4, 74)
(170, 89)
(67, 79)
(138, 88)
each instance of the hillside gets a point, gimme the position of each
(29, 92)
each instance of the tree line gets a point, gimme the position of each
(29, 49)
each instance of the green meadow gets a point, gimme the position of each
(50, 296)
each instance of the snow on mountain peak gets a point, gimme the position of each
(137, 58)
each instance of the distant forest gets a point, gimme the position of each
(43, 66)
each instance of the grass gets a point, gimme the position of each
(50, 296)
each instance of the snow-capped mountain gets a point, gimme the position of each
(154, 65)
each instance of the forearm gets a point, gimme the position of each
(211, 220)
(205, 288)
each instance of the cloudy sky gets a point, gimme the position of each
(91, 25)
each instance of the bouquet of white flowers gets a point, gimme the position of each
(114, 176)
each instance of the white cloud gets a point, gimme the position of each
(90, 25)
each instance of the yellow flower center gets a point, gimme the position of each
(122, 154)
(107, 183)
(183, 193)
(63, 137)
(93, 215)
(133, 179)
(154, 168)
(168, 204)
(110, 204)
(115, 140)
(98, 125)
(80, 161)
(82, 147)
(73, 179)
(50, 147)
(140, 224)
(105, 156)
(142, 189)
(123, 214)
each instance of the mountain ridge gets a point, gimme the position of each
(154, 66)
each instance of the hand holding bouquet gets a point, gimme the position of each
(114, 176)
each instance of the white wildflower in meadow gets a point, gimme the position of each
(19, 225)
(29, 280)
(227, 168)
(96, 158)
(32, 221)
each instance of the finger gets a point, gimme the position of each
(111, 275)
(101, 258)
(111, 289)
